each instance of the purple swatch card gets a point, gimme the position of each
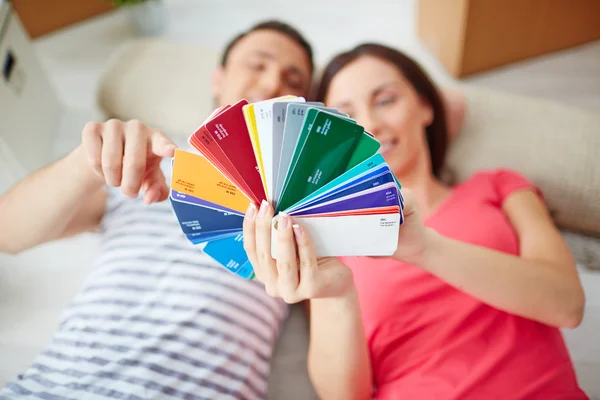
(185, 198)
(382, 196)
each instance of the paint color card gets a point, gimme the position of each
(364, 211)
(279, 118)
(205, 142)
(374, 177)
(231, 134)
(294, 123)
(230, 253)
(362, 235)
(266, 138)
(250, 120)
(380, 196)
(210, 236)
(250, 117)
(366, 167)
(360, 187)
(313, 162)
(195, 218)
(329, 145)
(184, 198)
(367, 146)
(196, 176)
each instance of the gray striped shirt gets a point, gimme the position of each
(157, 319)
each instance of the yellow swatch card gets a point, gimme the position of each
(250, 118)
(249, 111)
(196, 176)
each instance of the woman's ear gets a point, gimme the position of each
(455, 104)
(426, 111)
(217, 81)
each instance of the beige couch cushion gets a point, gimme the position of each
(555, 146)
(168, 86)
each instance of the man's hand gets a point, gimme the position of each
(120, 154)
(127, 155)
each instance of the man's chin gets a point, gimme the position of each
(256, 99)
(249, 99)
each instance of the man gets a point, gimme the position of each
(157, 318)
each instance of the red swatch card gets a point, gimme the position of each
(207, 145)
(229, 131)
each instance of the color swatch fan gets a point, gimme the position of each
(311, 162)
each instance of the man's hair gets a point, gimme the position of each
(276, 26)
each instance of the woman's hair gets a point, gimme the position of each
(437, 134)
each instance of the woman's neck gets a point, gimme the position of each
(429, 192)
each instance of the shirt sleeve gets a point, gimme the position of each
(507, 182)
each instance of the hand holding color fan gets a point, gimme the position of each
(311, 162)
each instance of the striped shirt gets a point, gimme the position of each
(156, 319)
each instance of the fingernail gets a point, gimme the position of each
(297, 230)
(263, 208)
(130, 195)
(284, 221)
(170, 148)
(251, 211)
(151, 197)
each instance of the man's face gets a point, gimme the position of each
(262, 65)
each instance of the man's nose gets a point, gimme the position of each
(271, 84)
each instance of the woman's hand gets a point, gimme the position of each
(296, 274)
(415, 241)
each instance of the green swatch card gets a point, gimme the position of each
(324, 150)
(367, 146)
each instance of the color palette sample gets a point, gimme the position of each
(311, 162)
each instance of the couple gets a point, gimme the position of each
(469, 307)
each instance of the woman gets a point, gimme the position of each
(469, 306)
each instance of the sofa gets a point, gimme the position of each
(167, 86)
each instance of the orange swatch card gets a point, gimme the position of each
(196, 176)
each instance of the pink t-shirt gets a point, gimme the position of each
(428, 340)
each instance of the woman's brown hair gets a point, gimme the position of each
(437, 134)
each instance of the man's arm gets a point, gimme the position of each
(62, 199)
(69, 196)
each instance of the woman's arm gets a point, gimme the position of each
(542, 284)
(338, 360)
(338, 357)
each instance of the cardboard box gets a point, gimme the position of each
(43, 16)
(470, 36)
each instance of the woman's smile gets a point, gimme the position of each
(388, 146)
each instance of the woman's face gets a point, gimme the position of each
(376, 94)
